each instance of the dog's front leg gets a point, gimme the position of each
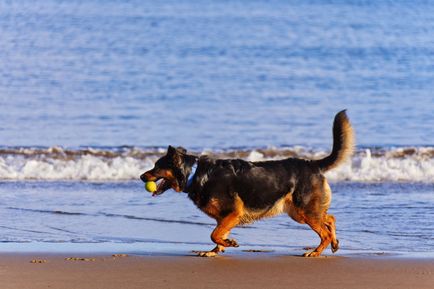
(212, 253)
(220, 234)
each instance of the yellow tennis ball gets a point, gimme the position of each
(151, 187)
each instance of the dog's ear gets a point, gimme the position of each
(175, 155)
(181, 150)
(171, 150)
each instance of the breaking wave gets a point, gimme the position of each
(404, 164)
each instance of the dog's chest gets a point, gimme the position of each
(209, 206)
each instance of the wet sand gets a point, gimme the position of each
(105, 271)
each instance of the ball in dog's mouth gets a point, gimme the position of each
(158, 187)
(151, 186)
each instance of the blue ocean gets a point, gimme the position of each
(92, 93)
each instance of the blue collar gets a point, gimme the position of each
(191, 175)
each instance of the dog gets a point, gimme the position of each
(236, 192)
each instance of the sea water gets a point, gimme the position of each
(92, 92)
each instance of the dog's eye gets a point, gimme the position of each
(161, 164)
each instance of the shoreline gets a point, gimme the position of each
(80, 270)
(156, 249)
(168, 249)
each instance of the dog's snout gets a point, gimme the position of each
(148, 176)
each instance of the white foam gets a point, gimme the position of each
(366, 168)
(392, 165)
(86, 167)
(402, 165)
(255, 156)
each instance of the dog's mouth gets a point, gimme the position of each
(162, 186)
(164, 181)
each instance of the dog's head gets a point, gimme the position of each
(168, 171)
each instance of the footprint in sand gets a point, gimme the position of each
(80, 259)
(38, 261)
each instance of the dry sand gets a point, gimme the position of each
(124, 272)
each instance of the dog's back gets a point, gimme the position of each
(261, 184)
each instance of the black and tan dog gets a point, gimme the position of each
(234, 191)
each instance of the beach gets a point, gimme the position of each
(92, 93)
(134, 271)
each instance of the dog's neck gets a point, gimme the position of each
(192, 164)
(191, 175)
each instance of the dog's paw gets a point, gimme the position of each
(311, 254)
(205, 253)
(335, 246)
(231, 243)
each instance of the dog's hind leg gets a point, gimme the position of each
(317, 218)
(324, 232)
(220, 234)
(330, 224)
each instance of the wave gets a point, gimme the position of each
(370, 164)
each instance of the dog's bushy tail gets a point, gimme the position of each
(343, 143)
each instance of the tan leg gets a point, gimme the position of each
(212, 253)
(330, 224)
(323, 232)
(220, 234)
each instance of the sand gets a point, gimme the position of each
(123, 272)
